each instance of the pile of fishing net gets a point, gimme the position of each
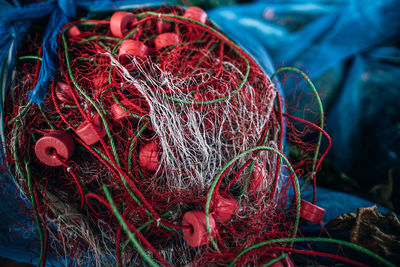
(161, 142)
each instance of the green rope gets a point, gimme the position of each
(254, 149)
(22, 113)
(313, 239)
(321, 110)
(130, 153)
(140, 228)
(125, 227)
(97, 37)
(279, 258)
(30, 57)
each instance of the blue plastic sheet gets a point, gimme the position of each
(350, 50)
(346, 46)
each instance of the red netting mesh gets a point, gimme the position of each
(213, 120)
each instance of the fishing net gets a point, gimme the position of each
(161, 141)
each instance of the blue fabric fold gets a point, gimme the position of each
(62, 14)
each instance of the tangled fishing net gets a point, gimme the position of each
(160, 142)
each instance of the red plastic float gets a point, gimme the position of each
(120, 23)
(73, 32)
(148, 157)
(196, 234)
(118, 113)
(64, 93)
(311, 212)
(54, 141)
(196, 13)
(166, 39)
(163, 26)
(224, 208)
(133, 48)
(87, 131)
